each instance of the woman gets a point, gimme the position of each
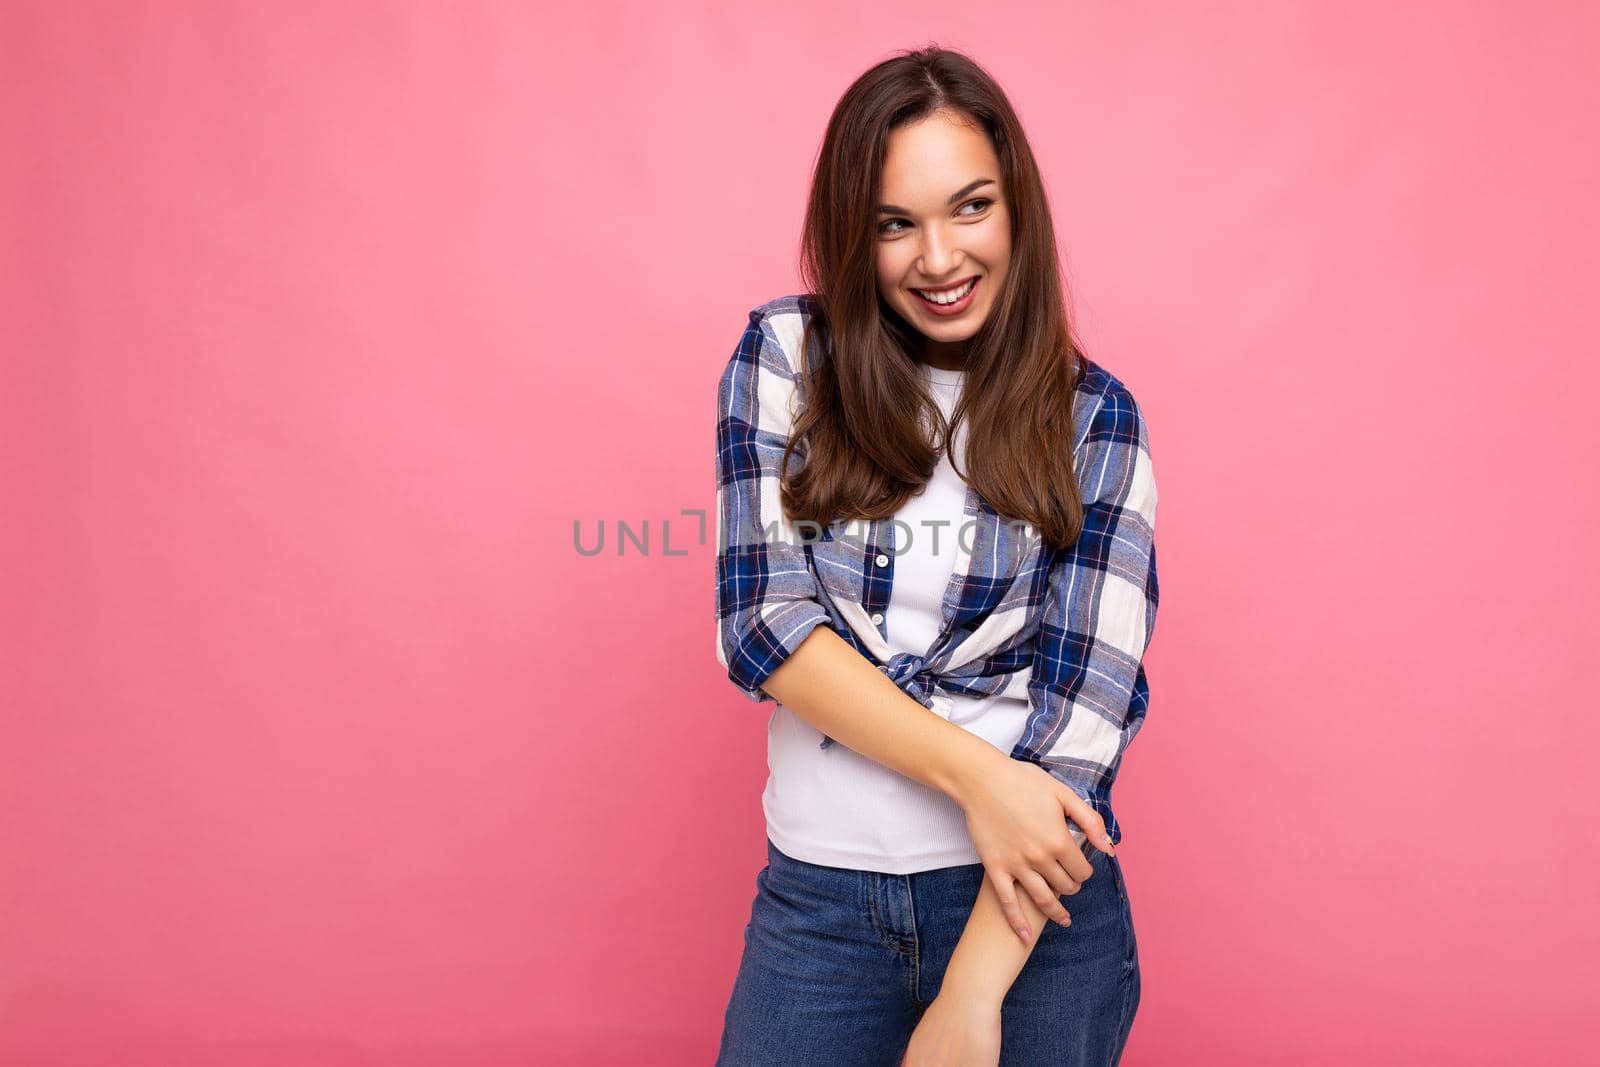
(865, 579)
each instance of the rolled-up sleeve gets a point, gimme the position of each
(767, 596)
(1087, 684)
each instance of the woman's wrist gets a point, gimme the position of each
(964, 761)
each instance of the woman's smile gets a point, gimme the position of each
(951, 300)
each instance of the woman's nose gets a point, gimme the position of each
(937, 255)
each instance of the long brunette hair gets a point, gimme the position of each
(861, 431)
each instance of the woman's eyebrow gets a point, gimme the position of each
(890, 209)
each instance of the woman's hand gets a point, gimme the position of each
(956, 1031)
(1017, 816)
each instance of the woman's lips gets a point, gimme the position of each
(946, 310)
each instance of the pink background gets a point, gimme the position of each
(321, 743)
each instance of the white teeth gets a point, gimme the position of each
(948, 297)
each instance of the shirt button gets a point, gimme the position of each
(877, 619)
(883, 560)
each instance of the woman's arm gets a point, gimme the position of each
(772, 631)
(1010, 804)
(837, 690)
(963, 1023)
(988, 957)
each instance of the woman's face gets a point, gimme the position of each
(942, 225)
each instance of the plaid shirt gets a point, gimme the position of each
(1069, 625)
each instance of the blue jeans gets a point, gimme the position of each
(840, 964)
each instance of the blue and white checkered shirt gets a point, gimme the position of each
(1072, 625)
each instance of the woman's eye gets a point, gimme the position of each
(982, 203)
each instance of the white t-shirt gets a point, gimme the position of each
(838, 808)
